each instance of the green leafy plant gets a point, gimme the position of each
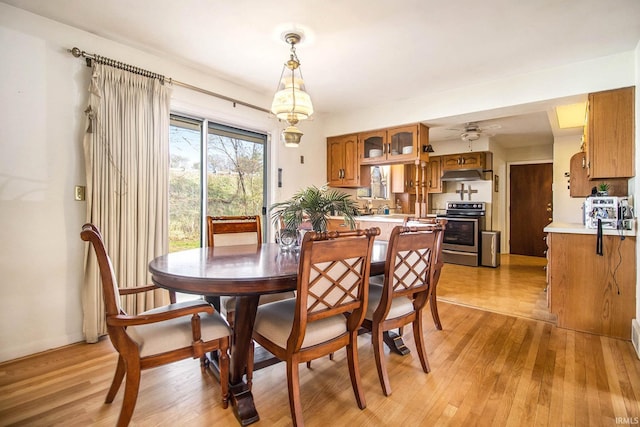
(315, 205)
(603, 187)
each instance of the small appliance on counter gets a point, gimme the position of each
(613, 212)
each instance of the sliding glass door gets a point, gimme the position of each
(233, 181)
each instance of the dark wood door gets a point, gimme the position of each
(531, 207)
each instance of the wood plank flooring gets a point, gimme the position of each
(516, 288)
(487, 369)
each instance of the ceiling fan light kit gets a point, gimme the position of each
(470, 135)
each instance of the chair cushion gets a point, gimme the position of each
(274, 321)
(400, 306)
(176, 333)
(228, 304)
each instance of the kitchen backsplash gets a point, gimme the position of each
(480, 191)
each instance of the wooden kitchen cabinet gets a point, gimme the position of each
(473, 160)
(434, 175)
(592, 293)
(580, 185)
(343, 168)
(401, 144)
(610, 136)
(403, 178)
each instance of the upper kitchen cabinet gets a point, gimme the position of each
(610, 140)
(403, 178)
(475, 160)
(434, 175)
(581, 186)
(343, 169)
(395, 145)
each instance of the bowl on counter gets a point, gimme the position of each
(374, 152)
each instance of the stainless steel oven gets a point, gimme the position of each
(465, 222)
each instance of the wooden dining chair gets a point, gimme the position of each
(405, 290)
(437, 266)
(237, 230)
(158, 336)
(332, 288)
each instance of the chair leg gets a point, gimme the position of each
(230, 319)
(378, 352)
(354, 370)
(419, 340)
(223, 358)
(433, 302)
(117, 380)
(204, 364)
(293, 381)
(131, 388)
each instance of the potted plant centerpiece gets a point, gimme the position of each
(603, 189)
(313, 205)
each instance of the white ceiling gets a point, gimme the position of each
(357, 53)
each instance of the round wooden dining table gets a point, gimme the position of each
(244, 271)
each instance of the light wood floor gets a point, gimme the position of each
(487, 369)
(516, 288)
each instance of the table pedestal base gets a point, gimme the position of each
(395, 343)
(242, 403)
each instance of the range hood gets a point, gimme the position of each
(463, 175)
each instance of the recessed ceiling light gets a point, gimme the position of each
(571, 116)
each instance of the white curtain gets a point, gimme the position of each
(127, 164)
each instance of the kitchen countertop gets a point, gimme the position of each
(577, 228)
(385, 218)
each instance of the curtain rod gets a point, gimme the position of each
(121, 65)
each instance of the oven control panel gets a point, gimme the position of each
(478, 206)
(465, 209)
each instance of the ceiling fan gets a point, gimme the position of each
(472, 131)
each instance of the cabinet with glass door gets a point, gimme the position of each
(395, 145)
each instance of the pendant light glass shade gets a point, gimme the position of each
(291, 100)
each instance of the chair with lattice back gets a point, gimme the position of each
(437, 265)
(333, 282)
(406, 288)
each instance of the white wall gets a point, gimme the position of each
(43, 89)
(44, 92)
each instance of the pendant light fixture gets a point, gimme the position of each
(291, 102)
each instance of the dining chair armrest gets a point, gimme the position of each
(171, 311)
(137, 289)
